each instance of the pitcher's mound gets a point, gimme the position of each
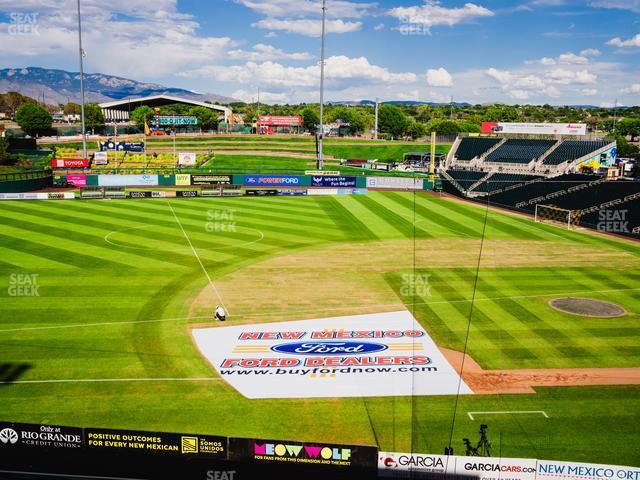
(587, 307)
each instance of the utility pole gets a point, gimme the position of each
(321, 133)
(81, 53)
(615, 109)
(375, 128)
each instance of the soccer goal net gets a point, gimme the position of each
(556, 215)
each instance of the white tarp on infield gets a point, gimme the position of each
(382, 354)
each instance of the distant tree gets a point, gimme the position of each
(624, 148)
(206, 118)
(11, 101)
(5, 158)
(93, 116)
(391, 119)
(310, 119)
(444, 127)
(628, 127)
(141, 115)
(72, 109)
(417, 130)
(33, 119)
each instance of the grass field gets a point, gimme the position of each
(119, 287)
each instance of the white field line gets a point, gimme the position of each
(199, 260)
(98, 324)
(110, 380)
(296, 312)
(508, 412)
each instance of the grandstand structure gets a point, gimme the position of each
(520, 173)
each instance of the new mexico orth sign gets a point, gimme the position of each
(383, 354)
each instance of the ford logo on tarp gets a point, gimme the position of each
(329, 348)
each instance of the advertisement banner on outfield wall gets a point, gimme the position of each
(404, 465)
(272, 180)
(322, 191)
(211, 179)
(383, 354)
(183, 179)
(535, 128)
(28, 436)
(155, 443)
(127, 180)
(395, 183)
(326, 181)
(551, 469)
(312, 454)
(407, 465)
(77, 180)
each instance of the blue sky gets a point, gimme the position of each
(514, 51)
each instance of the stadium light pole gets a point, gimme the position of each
(375, 128)
(81, 54)
(321, 133)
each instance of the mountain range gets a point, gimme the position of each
(61, 87)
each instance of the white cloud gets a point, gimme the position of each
(552, 92)
(307, 27)
(518, 94)
(572, 59)
(119, 46)
(547, 61)
(262, 52)
(633, 89)
(590, 52)
(432, 13)
(379, 27)
(632, 42)
(300, 8)
(566, 77)
(588, 92)
(502, 76)
(271, 35)
(341, 72)
(632, 5)
(265, 97)
(439, 78)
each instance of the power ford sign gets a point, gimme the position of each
(328, 181)
(329, 348)
(272, 180)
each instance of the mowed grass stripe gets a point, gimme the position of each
(402, 225)
(430, 215)
(75, 240)
(347, 223)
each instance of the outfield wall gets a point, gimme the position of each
(418, 465)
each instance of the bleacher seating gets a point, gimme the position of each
(520, 151)
(499, 181)
(597, 194)
(511, 198)
(466, 178)
(471, 147)
(572, 150)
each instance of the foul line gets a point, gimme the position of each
(296, 312)
(198, 258)
(106, 380)
(542, 412)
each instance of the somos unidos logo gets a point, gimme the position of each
(329, 348)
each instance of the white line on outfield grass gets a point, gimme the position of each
(296, 312)
(109, 380)
(508, 412)
(198, 258)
